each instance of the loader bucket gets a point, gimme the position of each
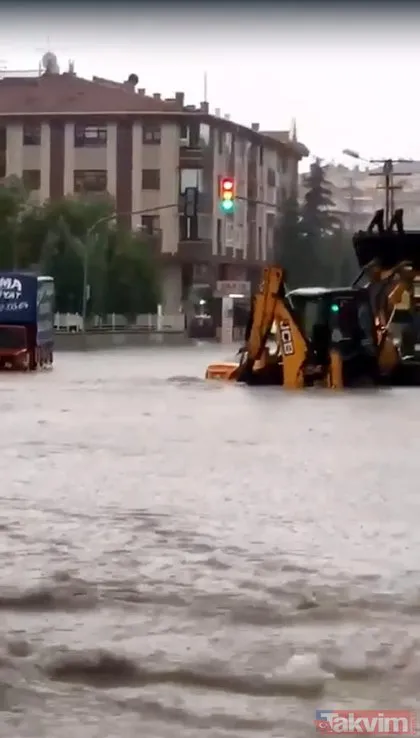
(388, 248)
(223, 371)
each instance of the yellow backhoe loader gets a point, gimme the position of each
(333, 338)
(324, 337)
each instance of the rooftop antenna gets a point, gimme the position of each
(205, 87)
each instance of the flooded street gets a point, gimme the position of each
(182, 558)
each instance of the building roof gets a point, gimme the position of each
(66, 93)
(284, 137)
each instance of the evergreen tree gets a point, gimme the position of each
(320, 228)
(318, 218)
(287, 240)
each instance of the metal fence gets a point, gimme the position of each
(148, 323)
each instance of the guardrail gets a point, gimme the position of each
(149, 323)
(120, 329)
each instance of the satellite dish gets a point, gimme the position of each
(50, 63)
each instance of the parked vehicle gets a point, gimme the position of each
(26, 321)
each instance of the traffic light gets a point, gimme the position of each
(227, 194)
(335, 308)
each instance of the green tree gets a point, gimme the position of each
(318, 217)
(132, 287)
(320, 227)
(62, 237)
(287, 237)
(292, 249)
(13, 205)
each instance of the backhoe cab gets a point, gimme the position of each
(323, 337)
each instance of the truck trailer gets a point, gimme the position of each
(26, 321)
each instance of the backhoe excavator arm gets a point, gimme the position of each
(270, 305)
(262, 312)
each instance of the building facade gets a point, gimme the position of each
(64, 135)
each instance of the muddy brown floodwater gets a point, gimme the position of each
(181, 558)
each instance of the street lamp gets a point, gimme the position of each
(353, 154)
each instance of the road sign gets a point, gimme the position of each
(225, 288)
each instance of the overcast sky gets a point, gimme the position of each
(350, 79)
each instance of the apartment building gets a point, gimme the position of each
(63, 135)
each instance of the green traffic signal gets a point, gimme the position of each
(227, 206)
(335, 308)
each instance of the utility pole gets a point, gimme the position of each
(387, 172)
(350, 189)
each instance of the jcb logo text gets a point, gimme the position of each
(286, 338)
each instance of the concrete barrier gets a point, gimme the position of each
(102, 340)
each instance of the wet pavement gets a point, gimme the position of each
(182, 558)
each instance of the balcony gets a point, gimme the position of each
(192, 251)
(192, 157)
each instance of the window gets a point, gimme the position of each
(284, 165)
(271, 178)
(228, 142)
(150, 223)
(194, 141)
(221, 141)
(31, 135)
(190, 178)
(219, 236)
(184, 134)
(151, 134)
(261, 156)
(241, 147)
(90, 180)
(85, 136)
(204, 134)
(271, 221)
(31, 179)
(229, 233)
(151, 179)
(3, 138)
(183, 231)
(259, 242)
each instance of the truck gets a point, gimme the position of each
(26, 321)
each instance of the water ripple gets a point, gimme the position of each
(202, 557)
